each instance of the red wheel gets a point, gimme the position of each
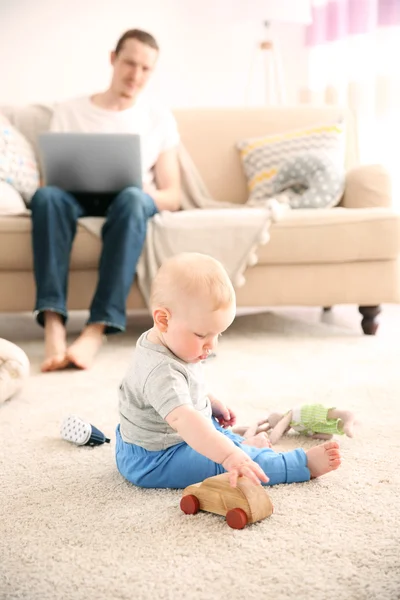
(190, 505)
(236, 518)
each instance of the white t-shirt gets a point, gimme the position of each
(154, 123)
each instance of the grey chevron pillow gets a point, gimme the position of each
(309, 181)
(263, 156)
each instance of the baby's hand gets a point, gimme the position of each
(239, 463)
(224, 415)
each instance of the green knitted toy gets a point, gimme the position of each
(313, 420)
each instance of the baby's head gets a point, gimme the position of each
(192, 302)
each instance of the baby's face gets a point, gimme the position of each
(193, 336)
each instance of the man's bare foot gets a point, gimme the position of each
(260, 440)
(55, 342)
(323, 459)
(82, 352)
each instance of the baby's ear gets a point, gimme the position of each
(161, 317)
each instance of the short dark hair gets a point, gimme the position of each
(140, 36)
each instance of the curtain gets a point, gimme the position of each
(353, 57)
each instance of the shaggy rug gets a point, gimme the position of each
(72, 529)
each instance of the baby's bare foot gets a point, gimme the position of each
(323, 459)
(55, 342)
(82, 352)
(260, 440)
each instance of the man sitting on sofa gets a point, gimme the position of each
(122, 108)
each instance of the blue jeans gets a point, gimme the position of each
(180, 466)
(54, 221)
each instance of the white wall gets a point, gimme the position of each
(53, 49)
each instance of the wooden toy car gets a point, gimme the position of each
(246, 503)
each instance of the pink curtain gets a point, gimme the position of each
(353, 48)
(335, 20)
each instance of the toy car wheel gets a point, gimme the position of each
(236, 518)
(190, 504)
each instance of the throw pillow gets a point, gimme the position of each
(309, 181)
(18, 165)
(14, 369)
(11, 202)
(262, 156)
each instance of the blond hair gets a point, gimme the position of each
(189, 276)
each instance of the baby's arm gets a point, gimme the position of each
(199, 433)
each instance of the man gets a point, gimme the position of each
(122, 108)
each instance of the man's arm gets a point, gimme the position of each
(167, 176)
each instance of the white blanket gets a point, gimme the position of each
(230, 233)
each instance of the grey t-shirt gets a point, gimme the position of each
(156, 383)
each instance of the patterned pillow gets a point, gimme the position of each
(309, 181)
(18, 165)
(262, 156)
(11, 202)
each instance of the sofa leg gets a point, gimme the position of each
(327, 308)
(369, 321)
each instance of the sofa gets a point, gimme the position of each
(315, 257)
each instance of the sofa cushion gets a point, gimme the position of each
(228, 125)
(302, 237)
(309, 180)
(18, 165)
(16, 250)
(263, 156)
(333, 235)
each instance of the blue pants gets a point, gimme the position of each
(180, 465)
(54, 221)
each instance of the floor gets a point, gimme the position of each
(71, 528)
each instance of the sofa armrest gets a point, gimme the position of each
(367, 186)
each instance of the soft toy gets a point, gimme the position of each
(313, 420)
(14, 369)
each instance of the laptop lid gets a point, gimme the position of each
(91, 162)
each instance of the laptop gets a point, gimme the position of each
(91, 162)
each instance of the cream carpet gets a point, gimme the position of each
(72, 529)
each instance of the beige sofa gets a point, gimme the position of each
(345, 255)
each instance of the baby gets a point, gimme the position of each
(172, 432)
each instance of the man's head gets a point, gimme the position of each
(192, 302)
(133, 59)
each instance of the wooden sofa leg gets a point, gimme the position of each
(369, 321)
(327, 308)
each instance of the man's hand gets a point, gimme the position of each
(167, 191)
(224, 415)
